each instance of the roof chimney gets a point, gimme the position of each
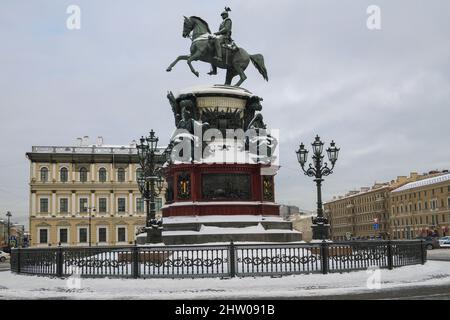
(85, 141)
(401, 179)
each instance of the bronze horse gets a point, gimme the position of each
(202, 49)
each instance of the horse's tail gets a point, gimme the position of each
(258, 62)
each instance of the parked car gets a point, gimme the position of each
(4, 256)
(444, 242)
(430, 242)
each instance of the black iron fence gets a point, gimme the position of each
(217, 260)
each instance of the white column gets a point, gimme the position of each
(33, 204)
(74, 172)
(130, 172)
(54, 203)
(33, 170)
(74, 203)
(111, 173)
(54, 171)
(130, 203)
(92, 172)
(111, 203)
(92, 200)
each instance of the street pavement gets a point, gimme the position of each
(442, 254)
(5, 266)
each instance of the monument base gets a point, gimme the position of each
(244, 228)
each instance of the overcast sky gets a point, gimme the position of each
(382, 95)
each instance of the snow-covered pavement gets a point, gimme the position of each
(32, 287)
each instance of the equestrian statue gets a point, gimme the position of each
(218, 49)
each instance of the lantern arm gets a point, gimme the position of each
(310, 172)
(325, 170)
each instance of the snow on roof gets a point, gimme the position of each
(228, 230)
(219, 218)
(424, 182)
(215, 89)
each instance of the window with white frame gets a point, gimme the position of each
(63, 235)
(102, 205)
(139, 205)
(102, 175)
(102, 234)
(83, 205)
(43, 235)
(44, 174)
(121, 234)
(121, 204)
(82, 235)
(121, 175)
(43, 205)
(158, 204)
(433, 204)
(83, 174)
(63, 205)
(63, 174)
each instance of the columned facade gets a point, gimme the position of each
(86, 194)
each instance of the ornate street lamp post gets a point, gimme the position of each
(318, 170)
(8, 214)
(150, 185)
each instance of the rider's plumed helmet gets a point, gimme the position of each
(224, 13)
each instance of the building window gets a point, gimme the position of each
(83, 174)
(63, 235)
(102, 175)
(63, 205)
(121, 234)
(43, 236)
(140, 205)
(158, 204)
(63, 175)
(44, 174)
(43, 205)
(121, 175)
(102, 234)
(121, 204)
(433, 204)
(448, 202)
(83, 205)
(102, 205)
(82, 235)
(140, 173)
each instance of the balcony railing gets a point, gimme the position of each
(87, 150)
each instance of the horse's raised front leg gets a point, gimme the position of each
(185, 57)
(193, 57)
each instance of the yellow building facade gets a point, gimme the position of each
(85, 195)
(421, 208)
(364, 213)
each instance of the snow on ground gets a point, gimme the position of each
(20, 286)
